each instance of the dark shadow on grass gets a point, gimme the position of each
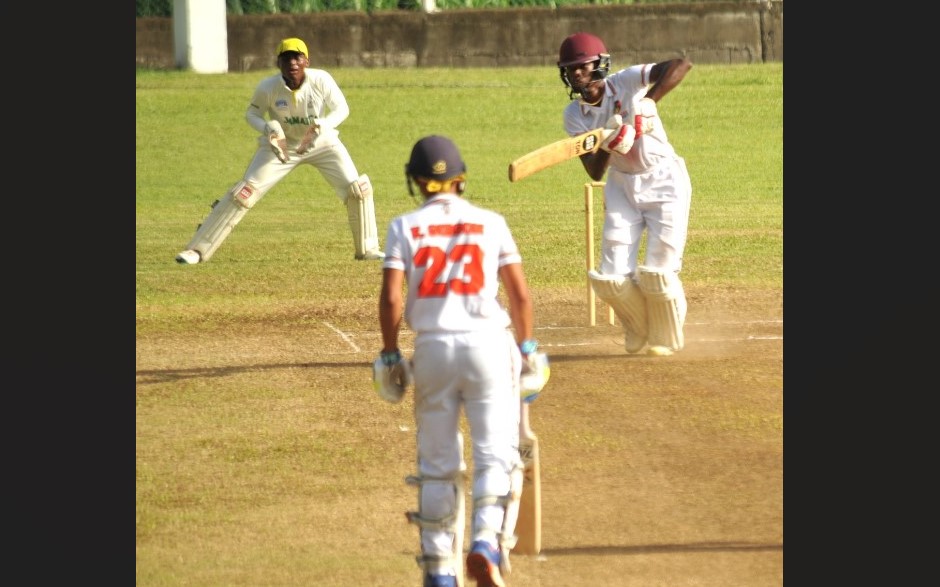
(553, 358)
(664, 548)
(151, 376)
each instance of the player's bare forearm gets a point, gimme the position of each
(522, 323)
(391, 326)
(666, 76)
(520, 303)
(390, 308)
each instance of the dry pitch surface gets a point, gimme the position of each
(661, 471)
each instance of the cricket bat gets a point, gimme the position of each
(529, 523)
(557, 152)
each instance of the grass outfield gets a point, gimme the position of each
(263, 457)
(193, 144)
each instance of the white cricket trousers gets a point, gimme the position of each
(332, 161)
(479, 371)
(658, 201)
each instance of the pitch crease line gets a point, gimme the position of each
(750, 337)
(345, 338)
(687, 324)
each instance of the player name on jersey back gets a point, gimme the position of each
(447, 229)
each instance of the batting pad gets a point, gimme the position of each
(442, 508)
(227, 211)
(666, 305)
(628, 304)
(507, 534)
(360, 207)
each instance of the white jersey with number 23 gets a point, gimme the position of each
(451, 252)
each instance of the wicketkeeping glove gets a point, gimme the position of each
(391, 376)
(535, 374)
(276, 139)
(621, 140)
(313, 131)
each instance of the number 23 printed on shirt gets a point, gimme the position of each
(435, 260)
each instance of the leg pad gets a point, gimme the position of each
(360, 207)
(666, 306)
(226, 212)
(450, 519)
(628, 303)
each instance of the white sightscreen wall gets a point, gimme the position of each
(200, 35)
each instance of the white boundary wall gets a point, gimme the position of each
(200, 35)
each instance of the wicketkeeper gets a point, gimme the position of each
(297, 113)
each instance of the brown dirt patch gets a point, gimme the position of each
(656, 471)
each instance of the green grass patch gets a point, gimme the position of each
(193, 144)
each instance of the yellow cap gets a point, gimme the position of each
(292, 44)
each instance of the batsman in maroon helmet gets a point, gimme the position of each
(647, 189)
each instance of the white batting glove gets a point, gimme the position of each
(646, 108)
(276, 139)
(621, 140)
(535, 374)
(643, 119)
(391, 376)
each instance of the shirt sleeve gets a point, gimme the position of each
(635, 80)
(256, 108)
(395, 244)
(509, 252)
(573, 121)
(337, 109)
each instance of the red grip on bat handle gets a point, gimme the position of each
(638, 124)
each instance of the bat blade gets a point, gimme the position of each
(557, 152)
(529, 523)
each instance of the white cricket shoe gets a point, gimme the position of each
(188, 257)
(659, 351)
(373, 255)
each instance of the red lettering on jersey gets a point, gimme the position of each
(467, 228)
(447, 230)
(454, 229)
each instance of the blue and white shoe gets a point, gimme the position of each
(483, 565)
(440, 581)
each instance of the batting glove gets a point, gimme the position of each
(535, 374)
(276, 139)
(643, 119)
(391, 376)
(646, 108)
(621, 140)
(535, 370)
